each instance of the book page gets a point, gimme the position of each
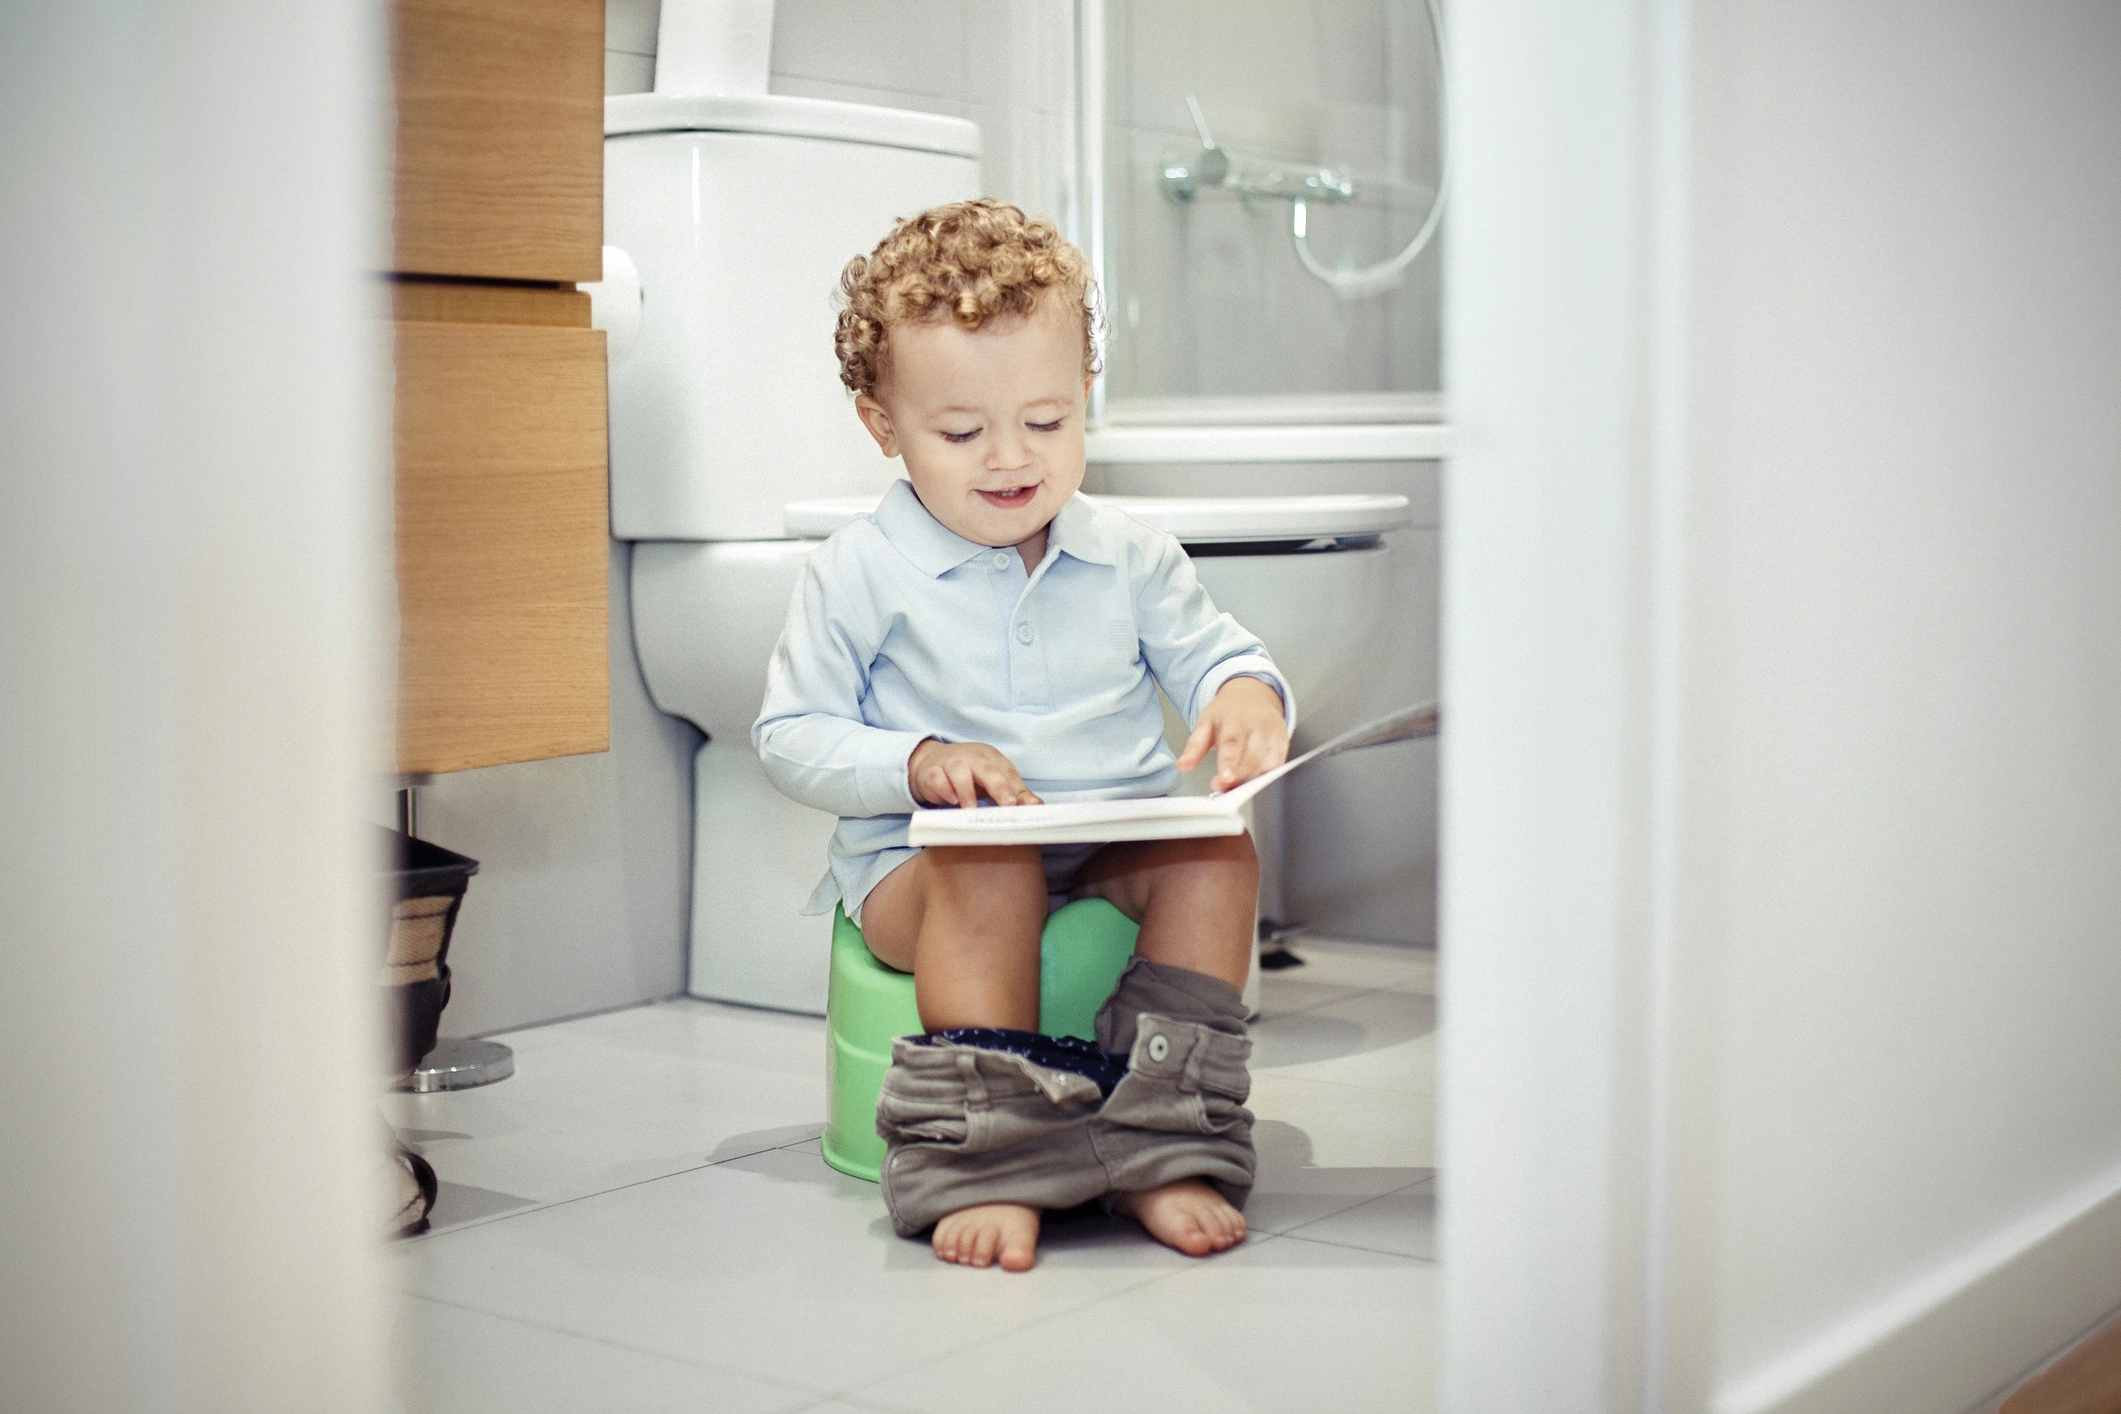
(1407, 724)
(1156, 817)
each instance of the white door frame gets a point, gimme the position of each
(1575, 1193)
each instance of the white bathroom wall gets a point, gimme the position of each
(1782, 792)
(582, 898)
(629, 45)
(193, 585)
(1008, 65)
(1903, 757)
(1208, 296)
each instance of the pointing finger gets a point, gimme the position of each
(1000, 779)
(1197, 744)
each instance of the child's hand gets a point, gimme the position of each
(955, 773)
(1248, 729)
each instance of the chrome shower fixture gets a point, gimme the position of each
(1221, 168)
(1248, 176)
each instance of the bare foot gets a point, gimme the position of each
(1187, 1215)
(979, 1235)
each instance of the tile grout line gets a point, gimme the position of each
(1338, 1212)
(402, 1244)
(852, 1392)
(644, 1351)
(1430, 1181)
(1370, 1251)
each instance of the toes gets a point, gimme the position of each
(983, 1246)
(1017, 1253)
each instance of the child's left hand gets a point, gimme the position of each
(1248, 729)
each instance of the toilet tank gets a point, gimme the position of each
(739, 213)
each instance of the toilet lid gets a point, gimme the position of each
(790, 117)
(1195, 520)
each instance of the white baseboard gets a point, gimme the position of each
(1963, 1331)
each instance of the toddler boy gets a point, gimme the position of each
(989, 633)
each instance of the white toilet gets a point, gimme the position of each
(734, 450)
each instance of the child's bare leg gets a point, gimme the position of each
(966, 923)
(1195, 901)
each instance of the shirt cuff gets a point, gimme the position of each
(880, 771)
(1250, 665)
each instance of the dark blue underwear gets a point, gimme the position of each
(1069, 1053)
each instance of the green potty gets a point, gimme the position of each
(867, 1006)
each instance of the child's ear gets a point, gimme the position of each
(878, 422)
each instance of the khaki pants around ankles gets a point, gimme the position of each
(966, 1125)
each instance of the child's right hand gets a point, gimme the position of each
(957, 773)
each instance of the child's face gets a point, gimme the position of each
(989, 421)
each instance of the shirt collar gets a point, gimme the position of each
(932, 546)
(1079, 531)
(936, 549)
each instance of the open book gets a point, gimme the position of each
(1170, 817)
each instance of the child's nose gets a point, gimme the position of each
(1011, 449)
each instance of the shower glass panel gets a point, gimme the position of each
(1213, 317)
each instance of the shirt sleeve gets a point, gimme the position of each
(810, 735)
(1191, 647)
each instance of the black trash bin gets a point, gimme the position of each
(425, 884)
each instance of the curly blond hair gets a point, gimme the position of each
(972, 261)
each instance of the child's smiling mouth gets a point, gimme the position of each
(1012, 498)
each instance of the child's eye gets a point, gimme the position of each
(961, 436)
(1053, 426)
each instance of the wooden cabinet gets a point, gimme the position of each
(500, 138)
(502, 521)
(501, 545)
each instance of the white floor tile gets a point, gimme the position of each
(1294, 990)
(643, 1204)
(1402, 1223)
(1344, 962)
(606, 1101)
(1276, 1325)
(1324, 1147)
(446, 1360)
(773, 1266)
(495, 1154)
(743, 1036)
(725, 1107)
(1385, 1040)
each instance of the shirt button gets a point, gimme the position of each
(1001, 559)
(1158, 1048)
(1023, 633)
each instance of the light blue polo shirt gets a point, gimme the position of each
(901, 630)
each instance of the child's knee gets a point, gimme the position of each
(1223, 860)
